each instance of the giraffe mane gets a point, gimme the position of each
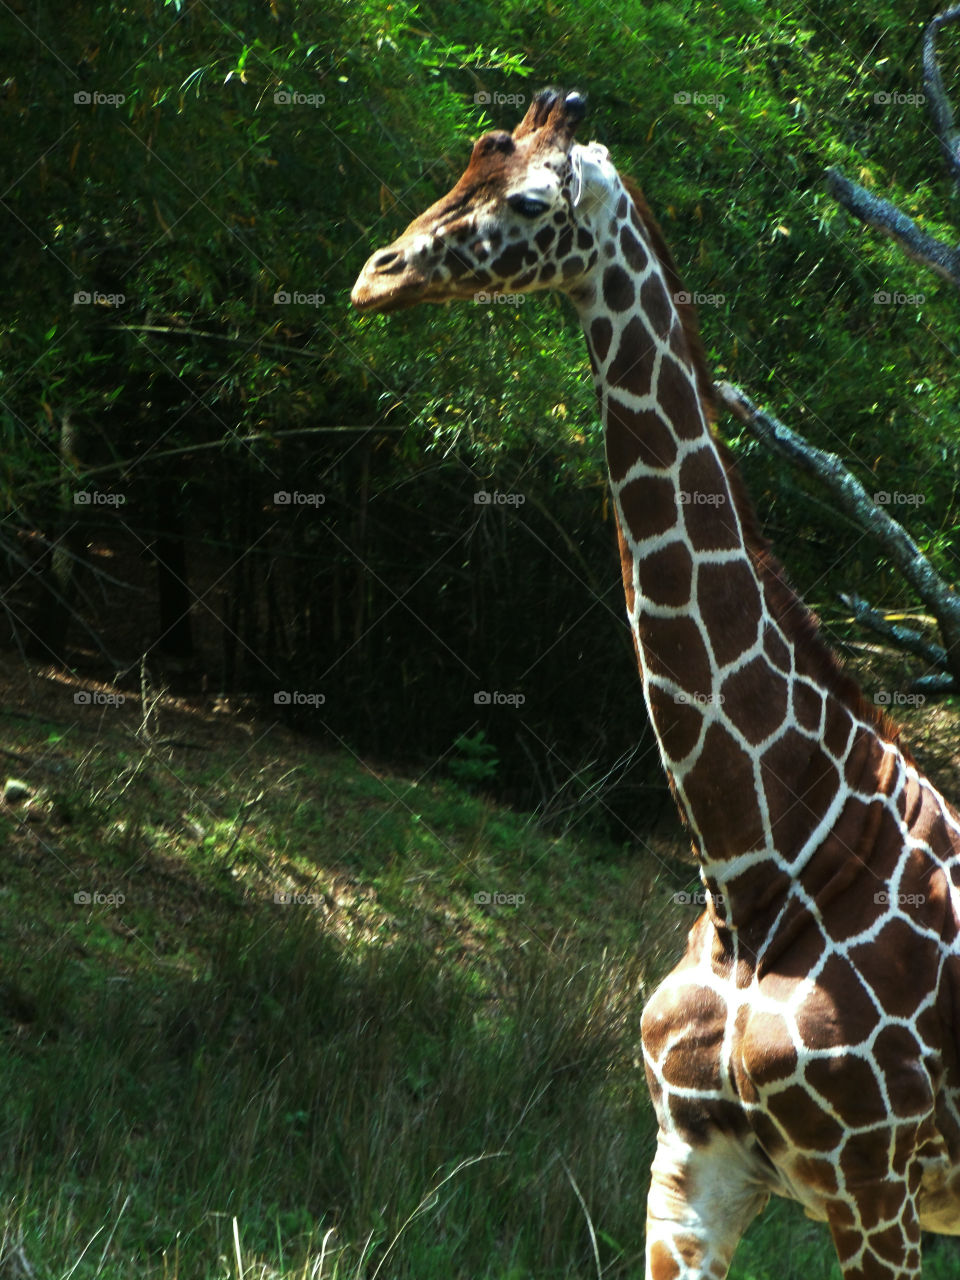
(799, 622)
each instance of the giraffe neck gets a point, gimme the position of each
(760, 736)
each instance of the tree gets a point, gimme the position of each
(893, 541)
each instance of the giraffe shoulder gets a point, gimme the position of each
(688, 1008)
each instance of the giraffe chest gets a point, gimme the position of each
(790, 1043)
(821, 1083)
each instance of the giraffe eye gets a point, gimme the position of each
(527, 206)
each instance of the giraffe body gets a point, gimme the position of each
(808, 1043)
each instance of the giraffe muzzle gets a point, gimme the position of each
(388, 282)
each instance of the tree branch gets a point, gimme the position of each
(941, 111)
(181, 331)
(930, 252)
(903, 637)
(886, 217)
(893, 540)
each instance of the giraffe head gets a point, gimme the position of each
(521, 218)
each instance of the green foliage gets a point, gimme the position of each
(475, 760)
(229, 157)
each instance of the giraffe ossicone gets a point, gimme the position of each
(808, 1043)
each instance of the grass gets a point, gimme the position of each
(300, 1046)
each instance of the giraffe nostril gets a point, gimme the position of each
(389, 260)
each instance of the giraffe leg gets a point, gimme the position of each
(877, 1232)
(701, 1200)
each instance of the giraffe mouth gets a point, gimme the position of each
(379, 291)
(376, 294)
(383, 304)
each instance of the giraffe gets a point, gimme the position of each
(807, 1043)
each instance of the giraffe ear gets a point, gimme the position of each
(593, 175)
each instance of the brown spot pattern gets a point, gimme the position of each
(838, 1013)
(618, 291)
(649, 507)
(755, 700)
(728, 597)
(837, 727)
(708, 513)
(632, 366)
(633, 251)
(768, 1054)
(678, 400)
(636, 436)
(678, 724)
(850, 1088)
(775, 648)
(807, 706)
(675, 649)
(800, 782)
(601, 335)
(709, 792)
(656, 305)
(803, 1119)
(665, 576)
(510, 260)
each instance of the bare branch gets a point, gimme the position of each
(890, 536)
(883, 215)
(903, 637)
(182, 331)
(940, 257)
(933, 684)
(940, 109)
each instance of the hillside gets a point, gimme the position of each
(271, 1010)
